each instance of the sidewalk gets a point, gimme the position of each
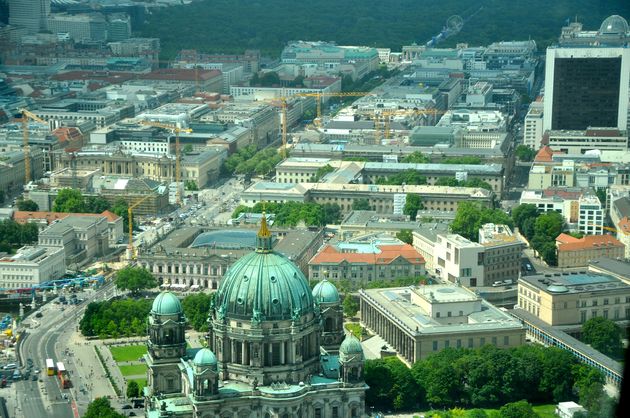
(91, 373)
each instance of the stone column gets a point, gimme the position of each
(244, 353)
(282, 353)
(233, 351)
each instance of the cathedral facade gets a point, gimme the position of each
(275, 349)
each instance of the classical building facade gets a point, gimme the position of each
(263, 356)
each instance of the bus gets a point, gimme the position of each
(50, 366)
(62, 373)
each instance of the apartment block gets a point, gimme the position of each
(578, 252)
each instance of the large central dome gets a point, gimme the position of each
(263, 286)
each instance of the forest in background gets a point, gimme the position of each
(231, 26)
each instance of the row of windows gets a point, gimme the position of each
(458, 342)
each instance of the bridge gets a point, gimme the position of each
(549, 336)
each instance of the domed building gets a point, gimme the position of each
(270, 352)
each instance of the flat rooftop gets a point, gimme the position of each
(396, 304)
(574, 282)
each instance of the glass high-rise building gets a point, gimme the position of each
(30, 14)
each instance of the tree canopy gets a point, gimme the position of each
(292, 213)
(409, 177)
(14, 235)
(350, 306)
(361, 204)
(250, 161)
(405, 235)
(101, 408)
(471, 216)
(73, 201)
(269, 25)
(525, 153)
(196, 308)
(452, 181)
(115, 318)
(133, 390)
(603, 335)
(413, 204)
(416, 157)
(134, 279)
(27, 205)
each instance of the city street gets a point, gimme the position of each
(49, 337)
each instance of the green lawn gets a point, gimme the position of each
(133, 370)
(545, 411)
(355, 329)
(127, 352)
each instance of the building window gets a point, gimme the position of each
(435, 345)
(470, 343)
(494, 340)
(583, 317)
(506, 340)
(459, 343)
(605, 313)
(335, 412)
(482, 341)
(318, 412)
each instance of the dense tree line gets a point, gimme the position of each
(603, 335)
(416, 157)
(321, 172)
(196, 308)
(482, 378)
(115, 318)
(452, 181)
(269, 25)
(292, 213)
(14, 235)
(134, 279)
(73, 201)
(471, 216)
(101, 408)
(409, 177)
(462, 160)
(250, 161)
(540, 229)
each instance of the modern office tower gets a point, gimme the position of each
(587, 78)
(30, 14)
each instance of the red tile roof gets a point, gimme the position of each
(588, 242)
(545, 155)
(389, 253)
(624, 225)
(25, 216)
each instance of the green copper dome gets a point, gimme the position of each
(166, 303)
(325, 292)
(205, 357)
(350, 348)
(264, 286)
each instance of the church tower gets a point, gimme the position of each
(167, 344)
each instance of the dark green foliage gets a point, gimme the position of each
(399, 282)
(452, 181)
(525, 153)
(486, 377)
(269, 25)
(250, 161)
(520, 409)
(292, 213)
(361, 204)
(416, 157)
(321, 172)
(14, 235)
(133, 390)
(546, 229)
(477, 413)
(73, 201)
(196, 309)
(135, 279)
(116, 318)
(350, 306)
(391, 384)
(405, 235)
(409, 177)
(589, 386)
(191, 185)
(412, 205)
(101, 408)
(27, 205)
(268, 79)
(603, 335)
(471, 216)
(524, 217)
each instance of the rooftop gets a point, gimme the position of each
(566, 242)
(25, 216)
(397, 304)
(619, 268)
(384, 254)
(573, 282)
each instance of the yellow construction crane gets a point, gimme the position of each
(318, 97)
(178, 169)
(130, 208)
(607, 228)
(26, 116)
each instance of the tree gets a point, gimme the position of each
(196, 308)
(332, 213)
(361, 204)
(589, 385)
(470, 217)
(413, 204)
(522, 213)
(405, 235)
(321, 172)
(121, 209)
(520, 409)
(133, 390)
(27, 205)
(416, 157)
(477, 413)
(101, 408)
(96, 204)
(462, 160)
(603, 335)
(350, 306)
(134, 279)
(409, 177)
(191, 185)
(188, 148)
(524, 153)
(70, 201)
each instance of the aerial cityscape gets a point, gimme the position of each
(346, 209)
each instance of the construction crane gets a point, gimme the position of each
(130, 208)
(607, 228)
(318, 98)
(26, 115)
(178, 172)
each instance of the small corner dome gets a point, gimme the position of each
(205, 357)
(614, 25)
(166, 303)
(557, 288)
(325, 292)
(350, 346)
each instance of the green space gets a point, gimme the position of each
(133, 369)
(292, 213)
(127, 352)
(542, 411)
(269, 25)
(141, 382)
(250, 161)
(356, 329)
(14, 235)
